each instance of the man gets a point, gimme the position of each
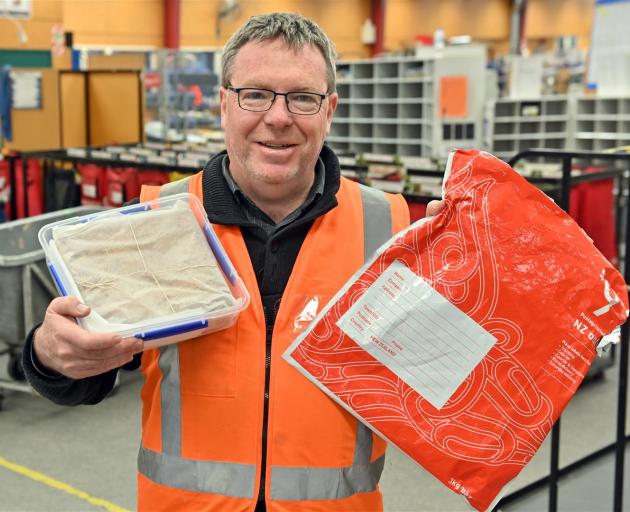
(228, 425)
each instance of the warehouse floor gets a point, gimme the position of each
(60, 459)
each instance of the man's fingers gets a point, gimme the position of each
(80, 369)
(60, 344)
(86, 340)
(96, 345)
(434, 207)
(86, 343)
(68, 306)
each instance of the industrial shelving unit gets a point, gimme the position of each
(583, 123)
(602, 123)
(521, 124)
(392, 106)
(385, 107)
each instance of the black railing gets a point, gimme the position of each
(567, 159)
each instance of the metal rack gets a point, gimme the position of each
(618, 447)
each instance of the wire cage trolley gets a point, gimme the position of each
(25, 287)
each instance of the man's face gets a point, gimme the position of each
(276, 147)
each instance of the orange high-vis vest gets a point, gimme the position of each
(202, 414)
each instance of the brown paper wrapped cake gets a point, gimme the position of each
(130, 268)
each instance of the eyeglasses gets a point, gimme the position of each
(260, 100)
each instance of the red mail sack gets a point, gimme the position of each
(121, 184)
(465, 336)
(92, 184)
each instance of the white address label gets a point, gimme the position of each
(419, 335)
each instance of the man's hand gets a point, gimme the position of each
(434, 207)
(61, 345)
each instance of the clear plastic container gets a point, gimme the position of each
(181, 322)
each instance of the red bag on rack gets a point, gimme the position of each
(465, 336)
(5, 188)
(149, 177)
(93, 184)
(34, 188)
(417, 211)
(121, 185)
(592, 207)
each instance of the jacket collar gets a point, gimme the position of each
(223, 208)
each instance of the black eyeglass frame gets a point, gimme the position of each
(237, 90)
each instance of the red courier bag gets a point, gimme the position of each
(465, 336)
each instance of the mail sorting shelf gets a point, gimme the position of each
(567, 158)
(526, 123)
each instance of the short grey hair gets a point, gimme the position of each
(294, 29)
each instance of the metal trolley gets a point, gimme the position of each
(25, 287)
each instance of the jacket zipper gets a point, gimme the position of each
(263, 456)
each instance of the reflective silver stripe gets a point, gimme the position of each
(170, 400)
(175, 187)
(227, 479)
(299, 483)
(363, 448)
(296, 483)
(377, 219)
(170, 397)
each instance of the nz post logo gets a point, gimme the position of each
(610, 296)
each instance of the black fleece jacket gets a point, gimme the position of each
(272, 258)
